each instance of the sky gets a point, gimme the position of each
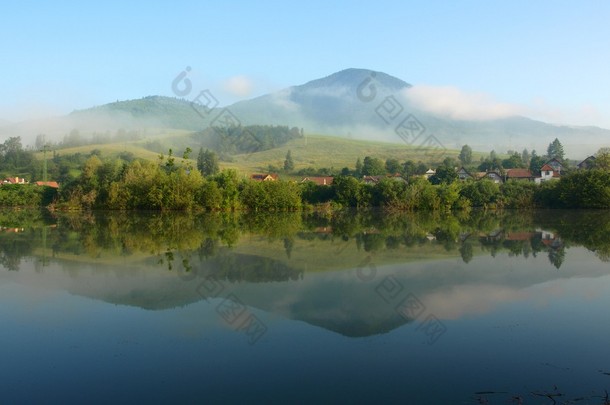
(544, 59)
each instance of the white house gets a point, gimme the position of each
(547, 172)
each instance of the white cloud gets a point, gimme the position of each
(240, 86)
(585, 114)
(457, 104)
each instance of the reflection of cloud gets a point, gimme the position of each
(458, 104)
(240, 86)
(469, 299)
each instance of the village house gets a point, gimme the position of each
(52, 184)
(556, 165)
(429, 173)
(377, 179)
(320, 181)
(264, 177)
(587, 164)
(546, 173)
(14, 180)
(371, 179)
(494, 176)
(464, 174)
(519, 174)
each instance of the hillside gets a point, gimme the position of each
(312, 150)
(347, 104)
(151, 111)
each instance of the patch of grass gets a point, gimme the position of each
(313, 150)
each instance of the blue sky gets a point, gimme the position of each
(550, 59)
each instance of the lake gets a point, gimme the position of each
(354, 307)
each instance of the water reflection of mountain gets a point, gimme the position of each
(305, 268)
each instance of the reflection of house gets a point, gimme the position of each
(519, 174)
(53, 184)
(493, 236)
(264, 177)
(519, 236)
(320, 181)
(587, 163)
(14, 180)
(11, 229)
(549, 239)
(327, 230)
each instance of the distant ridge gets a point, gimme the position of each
(330, 105)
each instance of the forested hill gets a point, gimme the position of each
(151, 111)
(246, 139)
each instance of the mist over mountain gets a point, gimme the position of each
(364, 104)
(355, 103)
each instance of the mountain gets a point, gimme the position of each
(151, 111)
(354, 103)
(327, 105)
(366, 104)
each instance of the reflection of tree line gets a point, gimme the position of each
(196, 238)
(523, 243)
(230, 267)
(20, 232)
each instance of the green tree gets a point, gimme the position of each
(207, 162)
(525, 157)
(228, 182)
(444, 175)
(585, 189)
(347, 191)
(288, 162)
(358, 171)
(392, 166)
(449, 195)
(409, 168)
(555, 150)
(602, 159)
(536, 163)
(391, 194)
(513, 161)
(211, 196)
(492, 162)
(466, 155)
(372, 167)
(482, 193)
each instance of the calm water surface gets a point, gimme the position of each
(290, 308)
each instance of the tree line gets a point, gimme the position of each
(173, 183)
